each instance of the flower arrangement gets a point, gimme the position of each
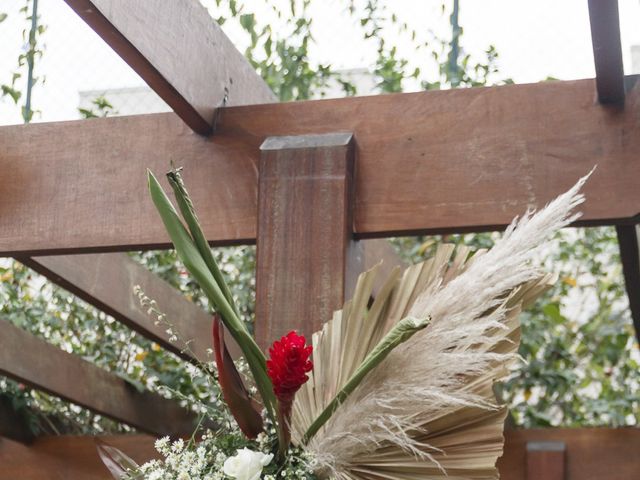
(398, 388)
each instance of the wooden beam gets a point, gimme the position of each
(546, 461)
(450, 161)
(181, 52)
(629, 242)
(106, 281)
(68, 457)
(305, 231)
(607, 50)
(13, 424)
(35, 362)
(592, 454)
(102, 202)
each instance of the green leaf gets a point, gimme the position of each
(399, 334)
(193, 261)
(12, 92)
(248, 22)
(188, 213)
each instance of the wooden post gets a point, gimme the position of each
(629, 242)
(607, 51)
(545, 461)
(305, 253)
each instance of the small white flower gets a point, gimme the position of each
(246, 464)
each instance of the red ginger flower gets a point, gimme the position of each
(288, 366)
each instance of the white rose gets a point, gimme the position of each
(246, 464)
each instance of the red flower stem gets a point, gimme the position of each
(284, 429)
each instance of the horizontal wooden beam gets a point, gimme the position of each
(607, 50)
(68, 457)
(30, 360)
(107, 280)
(592, 453)
(180, 51)
(428, 162)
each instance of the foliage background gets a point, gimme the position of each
(580, 354)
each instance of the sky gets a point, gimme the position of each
(535, 39)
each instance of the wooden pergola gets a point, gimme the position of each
(317, 185)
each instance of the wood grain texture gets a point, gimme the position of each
(180, 51)
(629, 242)
(106, 281)
(304, 232)
(449, 161)
(546, 461)
(607, 50)
(67, 457)
(92, 175)
(592, 454)
(38, 364)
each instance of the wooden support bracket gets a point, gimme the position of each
(305, 250)
(546, 461)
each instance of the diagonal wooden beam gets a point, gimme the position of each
(107, 280)
(30, 360)
(180, 51)
(607, 50)
(80, 186)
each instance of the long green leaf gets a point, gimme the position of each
(195, 264)
(399, 334)
(188, 213)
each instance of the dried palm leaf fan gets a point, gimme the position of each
(428, 411)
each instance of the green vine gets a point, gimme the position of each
(26, 61)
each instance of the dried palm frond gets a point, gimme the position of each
(428, 410)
